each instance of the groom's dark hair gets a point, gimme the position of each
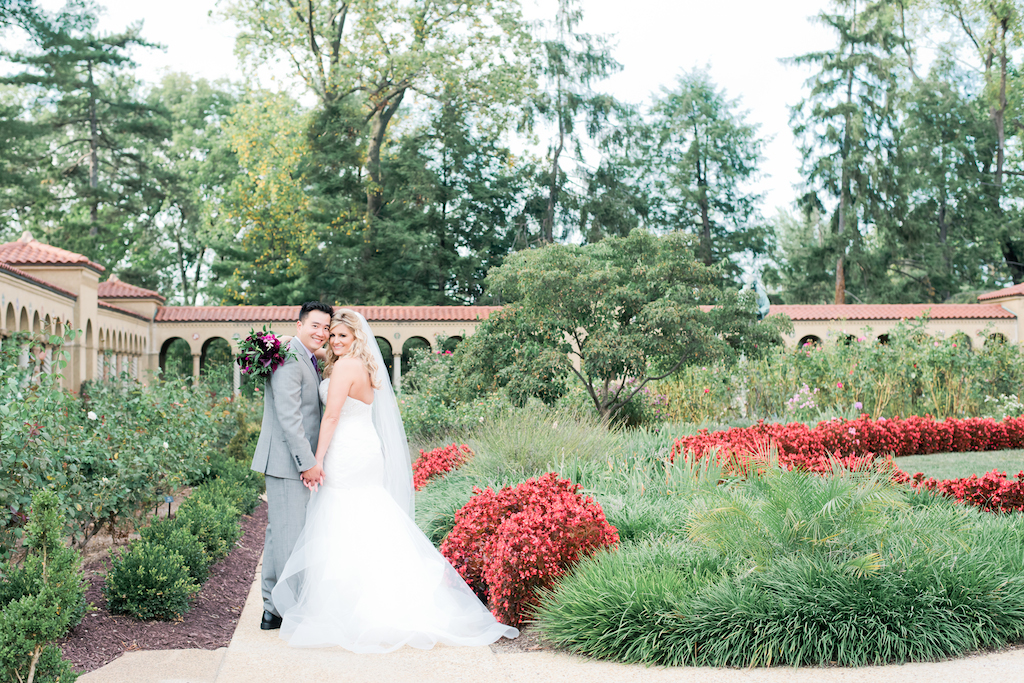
(311, 306)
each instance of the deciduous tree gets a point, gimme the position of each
(613, 315)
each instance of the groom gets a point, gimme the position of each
(285, 451)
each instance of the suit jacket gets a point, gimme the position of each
(291, 418)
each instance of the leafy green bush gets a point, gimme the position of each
(108, 453)
(234, 471)
(215, 525)
(241, 495)
(41, 600)
(149, 581)
(177, 538)
(912, 373)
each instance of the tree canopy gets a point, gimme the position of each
(612, 316)
(414, 146)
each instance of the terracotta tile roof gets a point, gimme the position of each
(112, 307)
(27, 251)
(1016, 290)
(893, 311)
(18, 272)
(113, 288)
(290, 313)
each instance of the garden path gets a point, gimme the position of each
(256, 656)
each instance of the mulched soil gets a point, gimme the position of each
(103, 637)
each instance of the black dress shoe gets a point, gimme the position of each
(270, 621)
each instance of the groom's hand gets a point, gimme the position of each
(313, 477)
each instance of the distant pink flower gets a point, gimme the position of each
(852, 430)
(858, 405)
(839, 385)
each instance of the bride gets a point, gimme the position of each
(362, 575)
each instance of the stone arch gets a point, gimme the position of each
(11, 319)
(175, 359)
(412, 344)
(961, 338)
(808, 340)
(389, 356)
(451, 343)
(23, 324)
(215, 362)
(996, 338)
(883, 339)
(37, 324)
(90, 351)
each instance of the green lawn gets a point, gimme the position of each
(954, 465)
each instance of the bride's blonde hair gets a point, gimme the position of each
(360, 347)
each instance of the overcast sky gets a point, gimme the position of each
(741, 42)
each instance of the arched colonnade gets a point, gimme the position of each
(398, 331)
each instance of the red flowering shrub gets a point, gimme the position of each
(993, 492)
(811, 449)
(509, 543)
(438, 461)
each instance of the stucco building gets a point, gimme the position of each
(124, 328)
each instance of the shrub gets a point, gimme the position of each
(813, 449)
(149, 581)
(41, 600)
(107, 453)
(216, 526)
(993, 492)
(177, 538)
(240, 495)
(510, 543)
(438, 461)
(222, 467)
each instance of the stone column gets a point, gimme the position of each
(23, 357)
(396, 374)
(195, 366)
(236, 377)
(48, 361)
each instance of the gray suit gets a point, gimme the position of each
(287, 446)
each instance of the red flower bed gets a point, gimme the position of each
(438, 461)
(812, 449)
(508, 544)
(993, 492)
(861, 443)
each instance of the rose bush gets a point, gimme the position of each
(108, 453)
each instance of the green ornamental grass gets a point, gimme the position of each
(796, 569)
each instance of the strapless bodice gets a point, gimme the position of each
(354, 458)
(352, 407)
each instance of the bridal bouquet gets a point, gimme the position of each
(260, 354)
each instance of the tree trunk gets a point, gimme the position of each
(844, 196)
(94, 157)
(705, 234)
(1011, 255)
(549, 213)
(379, 120)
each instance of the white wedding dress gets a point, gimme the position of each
(362, 575)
